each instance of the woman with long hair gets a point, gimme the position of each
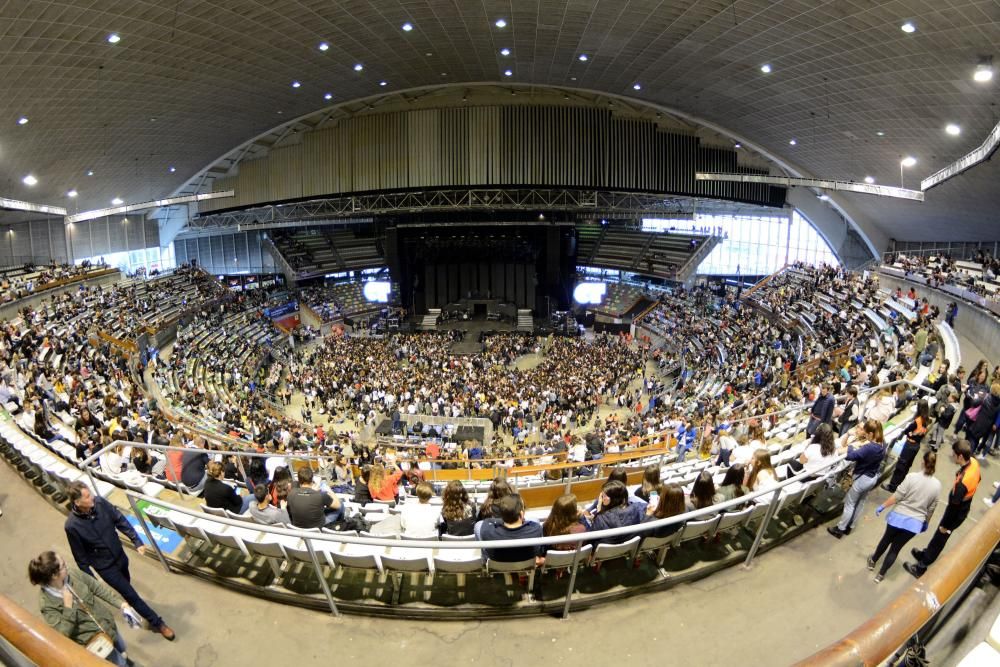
(732, 484)
(650, 481)
(564, 518)
(913, 504)
(671, 503)
(867, 461)
(614, 511)
(914, 434)
(490, 509)
(382, 484)
(458, 517)
(819, 453)
(703, 492)
(761, 474)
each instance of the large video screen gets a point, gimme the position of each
(590, 293)
(377, 291)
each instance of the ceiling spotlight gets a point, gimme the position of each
(879, 133)
(172, 170)
(792, 142)
(824, 197)
(572, 78)
(323, 46)
(328, 97)
(869, 179)
(583, 57)
(407, 27)
(636, 86)
(505, 52)
(29, 180)
(383, 83)
(737, 145)
(72, 193)
(953, 130)
(358, 67)
(117, 201)
(296, 84)
(908, 161)
(23, 120)
(90, 173)
(500, 23)
(114, 38)
(765, 68)
(984, 70)
(508, 72)
(908, 27)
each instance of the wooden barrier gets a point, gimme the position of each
(38, 642)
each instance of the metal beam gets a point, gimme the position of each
(966, 162)
(130, 208)
(17, 205)
(843, 186)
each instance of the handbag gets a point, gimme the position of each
(101, 643)
(973, 412)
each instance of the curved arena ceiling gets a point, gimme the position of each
(187, 81)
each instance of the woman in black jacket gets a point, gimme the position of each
(980, 428)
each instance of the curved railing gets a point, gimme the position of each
(918, 606)
(35, 640)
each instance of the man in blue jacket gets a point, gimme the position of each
(822, 410)
(91, 530)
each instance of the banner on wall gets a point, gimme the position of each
(282, 311)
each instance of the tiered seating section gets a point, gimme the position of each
(658, 254)
(313, 252)
(20, 282)
(335, 302)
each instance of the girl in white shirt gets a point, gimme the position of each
(761, 474)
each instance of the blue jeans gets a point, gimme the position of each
(247, 499)
(333, 516)
(116, 657)
(854, 501)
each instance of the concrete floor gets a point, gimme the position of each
(795, 599)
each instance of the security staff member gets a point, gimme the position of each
(959, 501)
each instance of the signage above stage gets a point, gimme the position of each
(284, 310)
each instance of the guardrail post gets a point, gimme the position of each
(772, 508)
(149, 534)
(322, 579)
(93, 484)
(572, 580)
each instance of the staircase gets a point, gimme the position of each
(525, 322)
(280, 261)
(429, 323)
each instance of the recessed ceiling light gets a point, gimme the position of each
(572, 78)
(23, 120)
(407, 27)
(383, 83)
(636, 86)
(583, 57)
(500, 23)
(953, 130)
(114, 38)
(323, 46)
(908, 27)
(296, 84)
(908, 161)
(508, 73)
(505, 52)
(29, 180)
(280, 112)
(117, 201)
(737, 145)
(869, 180)
(328, 97)
(824, 197)
(879, 133)
(358, 67)
(72, 193)
(172, 169)
(765, 68)
(792, 142)
(90, 173)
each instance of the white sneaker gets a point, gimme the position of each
(988, 502)
(996, 485)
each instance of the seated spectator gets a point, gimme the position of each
(761, 474)
(382, 484)
(650, 481)
(309, 507)
(420, 519)
(565, 518)
(510, 526)
(703, 492)
(732, 484)
(458, 516)
(490, 508)
(218, 494)
(615, 511)
(362, 495)
(194, 470)
(263, 511)
(671, 502)
(820, 452)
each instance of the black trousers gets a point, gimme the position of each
(903, 464)
(893, 540)
(117, 576)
